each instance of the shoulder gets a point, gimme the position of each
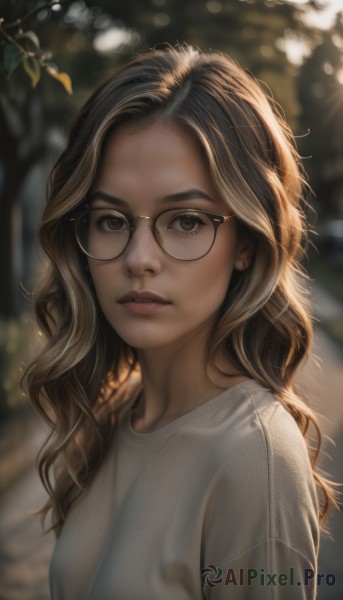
(261, 447)
(250, 422)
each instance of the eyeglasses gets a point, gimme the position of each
(185, 234)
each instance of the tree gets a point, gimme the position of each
(21, 126)
(26, 112)
(33, 32)
(320, 87)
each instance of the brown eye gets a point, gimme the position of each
(186, 223)
(109, 223)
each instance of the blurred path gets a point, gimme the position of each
(328, 398)
(323, 379)
(25, 553)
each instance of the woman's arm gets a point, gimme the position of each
(261, 528)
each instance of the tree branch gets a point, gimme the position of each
(13, 41)
(34, 12)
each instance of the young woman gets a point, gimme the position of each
(176, 319)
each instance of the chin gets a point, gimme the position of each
(143, 340)
(144, 344)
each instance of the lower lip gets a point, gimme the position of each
(144, 308)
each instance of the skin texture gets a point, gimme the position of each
(142, 165)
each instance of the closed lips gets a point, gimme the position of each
(143, 300)
(145, 297)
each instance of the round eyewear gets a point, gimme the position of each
(184, 234)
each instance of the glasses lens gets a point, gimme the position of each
(185, 234)
(103, 233)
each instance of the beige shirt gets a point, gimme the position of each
(226, 488)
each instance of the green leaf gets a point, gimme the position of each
(12, 57)
(29, 40)
(32, 68)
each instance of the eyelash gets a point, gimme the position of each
(197, 221)
(103, 218)
(176, 218)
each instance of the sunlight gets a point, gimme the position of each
(323, 19)
(113, 39)
(295, 46)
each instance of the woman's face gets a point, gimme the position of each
(145, 170)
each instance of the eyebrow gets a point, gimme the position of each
(191, 194)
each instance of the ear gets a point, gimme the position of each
(244, 253)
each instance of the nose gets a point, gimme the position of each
(143, 253)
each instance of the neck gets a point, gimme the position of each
(176, 380)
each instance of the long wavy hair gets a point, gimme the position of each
(81, 379)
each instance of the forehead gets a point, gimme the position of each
(142, 141)
(152, 161)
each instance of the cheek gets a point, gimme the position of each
(217, 274)
(104, 277)
(207, 287)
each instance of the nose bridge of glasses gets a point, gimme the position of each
(148, 231)
(136, 218)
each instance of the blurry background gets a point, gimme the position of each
(51, 56)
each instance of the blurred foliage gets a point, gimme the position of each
(251, 31)
(22, 48)
(17, 343)
(329, 275)
(334, 328)
(320, 89)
